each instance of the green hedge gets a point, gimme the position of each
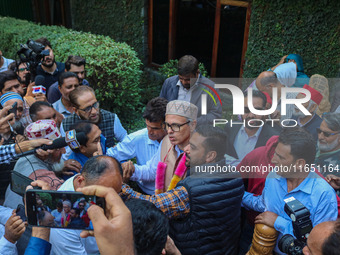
(309, 28)
(113, 69)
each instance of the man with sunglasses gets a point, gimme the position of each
(180, 122)
(328, 153)
(252, 133)
(86, 107)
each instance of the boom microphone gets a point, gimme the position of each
(79, 139)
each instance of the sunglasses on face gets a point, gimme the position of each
(326, 134)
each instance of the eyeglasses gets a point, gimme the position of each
(174, 127)
(23, 69)
(246, 109)
(326, 134)
(89, 108)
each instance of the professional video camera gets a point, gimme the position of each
(32, 53)
(302, 225)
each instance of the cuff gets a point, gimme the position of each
(6, 247)
(280, 224)
(37, 244)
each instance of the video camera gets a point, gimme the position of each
(302, 225)
(32, 53)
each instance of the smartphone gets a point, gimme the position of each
(60, 209)
(20, 211)
(13, 110)
(19, 183)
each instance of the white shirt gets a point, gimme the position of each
(244, 144)
(69, 242)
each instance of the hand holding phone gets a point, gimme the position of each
(114, 231)
(13, 110)
(59, 209)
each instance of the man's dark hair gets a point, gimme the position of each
(76, 210)
(44, 41)
(332, 243)
(37, 107)
(77, 92)
(7, 76)
(302, 144)
(215, 139)
(332, 120)
(74, 60)
(258, 94)
(96, 166)
(187, 65)
(82, 126)
(155, 109)
(60, 204)
(150, 227)
(65, 75)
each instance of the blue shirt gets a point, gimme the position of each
(313, 192)
(244, 144)
(139, 145)
(38, 246)
(59, 107)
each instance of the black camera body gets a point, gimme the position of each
(32, 53)
(302, 226)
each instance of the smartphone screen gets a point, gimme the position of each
(60, 209)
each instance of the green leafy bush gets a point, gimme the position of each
(170, 68)
(113, 69)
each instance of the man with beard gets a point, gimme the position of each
(49, 68)
(205, 206)
(86, 107)
(328, 153)
(35, 166)
(313, 121)
(253, 133)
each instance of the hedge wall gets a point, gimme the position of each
(113, 69)
(121, 20)
(309, 28)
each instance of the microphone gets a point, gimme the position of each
(58, 143)
(39, 80)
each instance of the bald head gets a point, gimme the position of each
(103, 170)
(266, 81)
(318, 236)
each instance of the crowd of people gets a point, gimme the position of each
(181, 185)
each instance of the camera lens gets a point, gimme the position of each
(286, 243)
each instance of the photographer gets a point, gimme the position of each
(49, 68)
(324, 239)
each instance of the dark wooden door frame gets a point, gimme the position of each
(172, 32)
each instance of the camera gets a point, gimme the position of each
(302, 225)
(32, 53)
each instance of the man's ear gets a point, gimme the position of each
(79, 182)
(193, 126)
(313, 108)
(75, 110)
(82, 149)
(210, 157)
(300, 163)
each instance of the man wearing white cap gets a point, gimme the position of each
(180, 122)
(36, 166)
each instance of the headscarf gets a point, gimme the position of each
(302, 78)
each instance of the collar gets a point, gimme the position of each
(256, 135)
(55, 71)
(305, 186)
